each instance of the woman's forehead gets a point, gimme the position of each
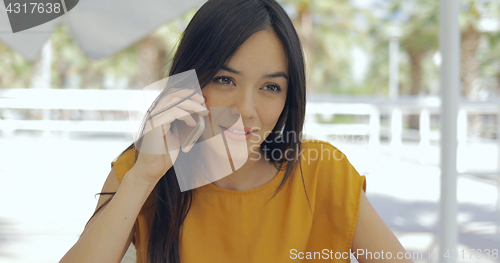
(261, 54)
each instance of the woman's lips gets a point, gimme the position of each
(237, 134)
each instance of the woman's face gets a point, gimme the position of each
(253, 83)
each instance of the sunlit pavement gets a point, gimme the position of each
(47, 188)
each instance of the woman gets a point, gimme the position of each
(290, 200)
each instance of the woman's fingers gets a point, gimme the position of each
(172, 99)
(160, 147)
(184, 115)
(198, 98)
(173, 114)
(193, 106)
(158, 127)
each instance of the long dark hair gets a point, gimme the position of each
(216, 31)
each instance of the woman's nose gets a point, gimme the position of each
(245, 103)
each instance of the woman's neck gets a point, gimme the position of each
(251, 175)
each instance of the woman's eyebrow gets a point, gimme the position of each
(267, 76)
(227, 68)
(276, 75)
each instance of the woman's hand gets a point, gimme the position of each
(160, 147)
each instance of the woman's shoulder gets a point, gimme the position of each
(123, 163)
(329, 167)
(334, 188)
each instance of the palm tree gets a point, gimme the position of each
(328, 33)
(15, 70)
(421, 35)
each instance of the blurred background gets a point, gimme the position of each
(373, 91)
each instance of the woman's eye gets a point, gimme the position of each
(273, 88)
(224, 80)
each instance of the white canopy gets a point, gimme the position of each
(101, 28)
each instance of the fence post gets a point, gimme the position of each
(425, 135)
(7, 122)
(374, 136)
(396, 129)
(462, 140)
(42, 79)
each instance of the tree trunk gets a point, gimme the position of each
(305, 32)
(470, 73)
(35, 114)
(152, 59)
(470, 65)
(416, 57)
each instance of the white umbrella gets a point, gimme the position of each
(101, 28)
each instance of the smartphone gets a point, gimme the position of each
(189, 135)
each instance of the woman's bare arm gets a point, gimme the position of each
(109, 233)
(107, 236)
(373, 235)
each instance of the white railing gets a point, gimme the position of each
(47, 100)
(326, 106)
(395, 110)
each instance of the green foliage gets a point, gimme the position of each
(15, 71)
(418, 21)
(329, 29)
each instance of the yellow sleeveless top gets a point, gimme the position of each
(245, 226)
